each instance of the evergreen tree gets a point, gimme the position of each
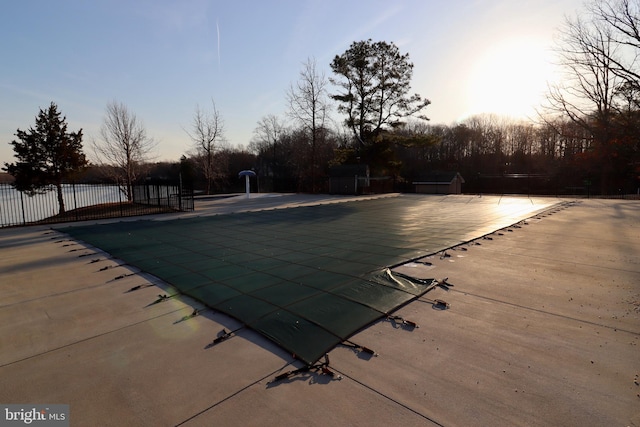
(375, 80)
(46, 155)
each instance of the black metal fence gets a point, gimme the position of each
(84, 201)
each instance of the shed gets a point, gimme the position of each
(440, 183)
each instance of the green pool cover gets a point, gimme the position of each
(308, 277)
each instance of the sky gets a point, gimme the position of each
(163, 59)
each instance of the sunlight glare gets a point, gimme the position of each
(510, 78)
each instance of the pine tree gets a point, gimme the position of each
(375, 80)
(46, 155)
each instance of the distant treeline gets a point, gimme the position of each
(493, 154)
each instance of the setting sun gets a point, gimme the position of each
(510, 78)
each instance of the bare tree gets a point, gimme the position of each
(268, 131)
(599, 52)
(207, 134)
(124, 146)
(585, 50)
(622, 17)
(308, 106)
(267, 137)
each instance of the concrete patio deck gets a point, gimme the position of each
(543, 329)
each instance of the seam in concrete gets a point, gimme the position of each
(232, 395)
(397, 402)
(88, 338)
(545, 312)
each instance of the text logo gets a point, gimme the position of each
(34, 415)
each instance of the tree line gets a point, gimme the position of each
(586, 135)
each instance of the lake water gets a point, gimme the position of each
(17, 208)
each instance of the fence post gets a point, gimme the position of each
(24, 218)
(120, 199)
(180, 191)
(75, 200)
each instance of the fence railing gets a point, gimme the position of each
(84, 201)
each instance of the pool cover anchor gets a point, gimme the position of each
(437, 303)
(162, 298)
(444, 284)
(194, 313)
(223, 335)
(442, 304)
(135, 288)
(322, 368)
(403, 321)
(122, 276)
(359, 347)
(84, 255)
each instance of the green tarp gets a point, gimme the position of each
(307, 278)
